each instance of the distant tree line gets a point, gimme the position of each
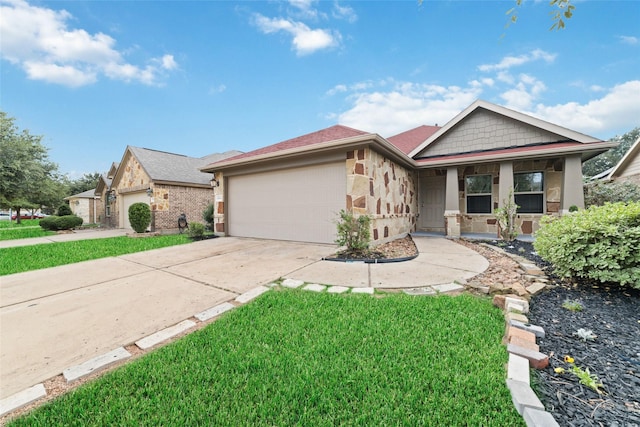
(28, 178)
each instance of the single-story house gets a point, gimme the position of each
(85, 205)
(447, 179)
(171, 184)
(628, 168)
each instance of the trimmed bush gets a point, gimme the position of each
(55, 223)
(599, 243)
(139, 217)
(196, 230)
(64, 210)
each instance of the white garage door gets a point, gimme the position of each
(298, 204)
(128, 200)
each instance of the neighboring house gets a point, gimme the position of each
(628, 168)
(85, 205)
(171, 184)
(447, 179)
(105, 203)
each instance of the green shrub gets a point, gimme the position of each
(196, 230)
(208, 215)
(139, 217)
(600, 192)
(64, 210)
(353, 232)
(599, 243)
(506, 217)
(55, 223)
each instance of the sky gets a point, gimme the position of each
(201, 77)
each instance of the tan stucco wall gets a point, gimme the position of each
(384, 190)
(84, 208)
(485, 130)
(525, 223)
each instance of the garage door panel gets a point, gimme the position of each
(294, 204)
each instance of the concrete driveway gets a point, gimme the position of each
(59, 317)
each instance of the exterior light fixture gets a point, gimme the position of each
(112, 196)
(149, 192)
(214, 182)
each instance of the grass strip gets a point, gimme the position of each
(27, 258)
(300, 358)
(23, 233)
(23, 223)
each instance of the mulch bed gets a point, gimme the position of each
(613, 315)
(399, 248)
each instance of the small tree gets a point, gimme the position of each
(139, 217)
(353, 232)
(600, 192)
(207, 215)
(64, 210)
(506, 217)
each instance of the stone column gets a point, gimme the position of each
(572, 191)
(452, 204)
(505, 182)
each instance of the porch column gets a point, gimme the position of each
(572, 190)
(505, 182)
(452, 204)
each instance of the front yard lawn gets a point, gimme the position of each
(11, 230)
(27, 258)
(299, 358)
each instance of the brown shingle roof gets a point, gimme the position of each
(332, 133)
(408, 140)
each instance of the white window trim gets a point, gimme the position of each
(490, 194)
(543, 192)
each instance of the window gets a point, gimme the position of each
(529, 192)
(108, 211)
(478, 191)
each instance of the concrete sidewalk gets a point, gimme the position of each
(59, 317)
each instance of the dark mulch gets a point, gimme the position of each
(613, 315)
(396, 249)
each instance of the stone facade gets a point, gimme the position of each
(85, 208)
(384, 190)
(525, 223)
(218, 204)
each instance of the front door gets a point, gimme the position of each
(432, 202)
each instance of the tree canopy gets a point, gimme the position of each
(610, 158)
(88, 181)
(28, 179)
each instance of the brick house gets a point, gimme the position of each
(171, 184)
(445, 179)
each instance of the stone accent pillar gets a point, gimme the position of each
(505, 182)
(452, 204)
(572, 190)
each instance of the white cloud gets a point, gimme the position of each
(38, 40)
(522, 95)
(305, 40)
(344, 12)
(513, 61)
(632, 40)
(217, 89)
(618, 108)
(405, 105)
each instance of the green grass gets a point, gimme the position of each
(27, 258)
(300, 358)
(10, 230)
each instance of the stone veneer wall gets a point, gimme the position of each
(218, 204)
(384, 190)
(169, 201)
(525, 223)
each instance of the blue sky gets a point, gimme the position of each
(198, 77)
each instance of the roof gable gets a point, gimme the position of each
(484, 126)
(407, 141)
(629, 164)
(332, 133)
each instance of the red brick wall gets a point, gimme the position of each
(171, 201)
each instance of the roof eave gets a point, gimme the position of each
(628, 156)
(585, 150)
(322, 147)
